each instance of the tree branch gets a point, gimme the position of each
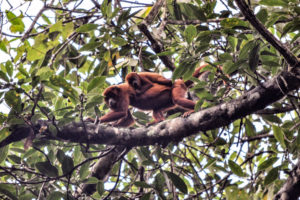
(290, 190)
(156, 45)
(178, 128)
(285, 52)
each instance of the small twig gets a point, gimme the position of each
(117, 181)
(40, 196)
(25, 36)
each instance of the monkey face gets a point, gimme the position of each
(135, 82)
(112, 103)
(111, 96)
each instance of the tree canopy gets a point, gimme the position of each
(242, 142)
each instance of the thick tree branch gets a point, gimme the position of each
(285, 52)
(102, 168)
(290, 190)
(177, 128)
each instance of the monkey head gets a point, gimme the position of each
(134, 80)
(111, 96)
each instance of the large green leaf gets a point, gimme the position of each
(190, 33)
(273, 3)
(13, 100)
(67, 164)
(87, 27)
(47, 168)
(235, 168)
(96, 83)
(267, 163)
(272, 176)
(178, 182)
(279, 135)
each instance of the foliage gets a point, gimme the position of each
(58, 71)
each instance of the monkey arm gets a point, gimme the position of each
(113, 116)
(125, 121)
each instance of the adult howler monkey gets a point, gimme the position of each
(147, 91)
(153, 92)
(117, 98)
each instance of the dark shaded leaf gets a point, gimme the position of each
(279, 135)
(178, 182)
(47, 168)
(272, 176)
(267, 163)
(235, 168)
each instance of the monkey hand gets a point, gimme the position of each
(186, 114)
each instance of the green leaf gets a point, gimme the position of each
(272, 176)
(17, 23)
(84, 170)
(57, 27)
(67, 165)
(179, 71)
(235, 168)
(9, 68)
(8, 190)
(230, 67)
(90, 46)
(100, 188)
(233, 22)
(3, 44)
(54, 195)
(44, 73)
(60, 155)
(13, 100)
(142, 184)
(267, 163)
(3, 153)
(46, 19)
(141, 115)
(250, 128)
(273, 3)
(178, 182)
(67, 30)
(119, 41)
(159, 184)
(262, 15)
(92, 180)
(86, 28)
(3, 76)
(191, 11)
(23, 71)
(96, 83)
(272, 118)
(47, 168)
(254, 57)
(146, 196)
(279, 135)
(244, 52)
(190, 33)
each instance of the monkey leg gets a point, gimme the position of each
(179, 94)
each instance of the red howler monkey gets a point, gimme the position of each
(142, 81)
(158, 96)
(117, 98)
(154, 93)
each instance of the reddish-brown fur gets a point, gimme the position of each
(147, 91)
(117, 98)
(154, 92)
(142, 81)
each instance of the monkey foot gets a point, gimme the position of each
(186, 114)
